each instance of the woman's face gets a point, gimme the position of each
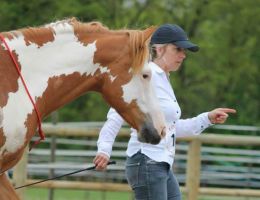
(171, 56)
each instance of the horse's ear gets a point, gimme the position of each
(148, 32)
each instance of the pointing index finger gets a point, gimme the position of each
(228, 110)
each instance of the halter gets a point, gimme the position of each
(42, 137)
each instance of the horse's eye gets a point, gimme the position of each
(145, 76)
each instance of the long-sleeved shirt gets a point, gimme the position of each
(176, 127)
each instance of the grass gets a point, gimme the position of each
(66, 194)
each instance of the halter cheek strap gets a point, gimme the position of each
(42, 137)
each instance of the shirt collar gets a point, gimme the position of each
(156, 68)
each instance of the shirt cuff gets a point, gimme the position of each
(105, 148)
(205, 122)
(104, 153)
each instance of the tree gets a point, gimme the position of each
(225, 72)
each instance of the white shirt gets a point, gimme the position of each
(176, 127)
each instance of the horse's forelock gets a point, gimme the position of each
(139, 49)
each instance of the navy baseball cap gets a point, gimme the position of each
(171, 33)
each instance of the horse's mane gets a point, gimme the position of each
(138, 47)
(90, 27)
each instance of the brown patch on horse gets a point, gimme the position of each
(38, 36)
(8, 74)
(9, 159)
(7, 191)
(69, 87)
(2, 138)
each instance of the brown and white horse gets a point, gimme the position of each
(61, 61)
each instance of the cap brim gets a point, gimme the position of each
(185, 44)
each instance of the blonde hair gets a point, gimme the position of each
(153, 52)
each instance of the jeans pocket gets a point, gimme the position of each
(132, 174)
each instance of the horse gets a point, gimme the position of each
(43, 68)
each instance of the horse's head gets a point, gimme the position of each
(124, 79)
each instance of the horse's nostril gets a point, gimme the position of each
(155, 140)
(149, 134)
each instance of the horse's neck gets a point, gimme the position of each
(55, 70)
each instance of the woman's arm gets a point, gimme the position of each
(106, 139)
(196, 125)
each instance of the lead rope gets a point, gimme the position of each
(42, 137)
(81, 170)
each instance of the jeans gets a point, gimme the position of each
(151, 180)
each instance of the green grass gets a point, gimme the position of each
(227, 198)
(66, 194)
(63, 194)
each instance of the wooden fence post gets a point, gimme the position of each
(20, 174)
(193, 169)
(54, 119)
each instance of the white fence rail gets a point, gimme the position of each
(208, 164)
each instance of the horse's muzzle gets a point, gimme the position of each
(149, 134)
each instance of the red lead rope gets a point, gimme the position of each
(42, 137)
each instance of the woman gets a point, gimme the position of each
(149, 167)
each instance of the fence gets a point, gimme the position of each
(198, 163)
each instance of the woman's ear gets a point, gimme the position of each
(160, 51)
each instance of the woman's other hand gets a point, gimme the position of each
(220, 115)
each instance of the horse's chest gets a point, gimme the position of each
(13, 119)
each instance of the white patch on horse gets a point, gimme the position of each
(1, 117)
(132, 91)
(112, 78)
(63, 56)
(141, 90)
(106, 70)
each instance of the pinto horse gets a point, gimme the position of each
(58, 62)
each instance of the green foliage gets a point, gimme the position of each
(225, 72)
(90, 107)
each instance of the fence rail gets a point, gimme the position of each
(198, 162)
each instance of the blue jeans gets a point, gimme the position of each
(151, 180)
